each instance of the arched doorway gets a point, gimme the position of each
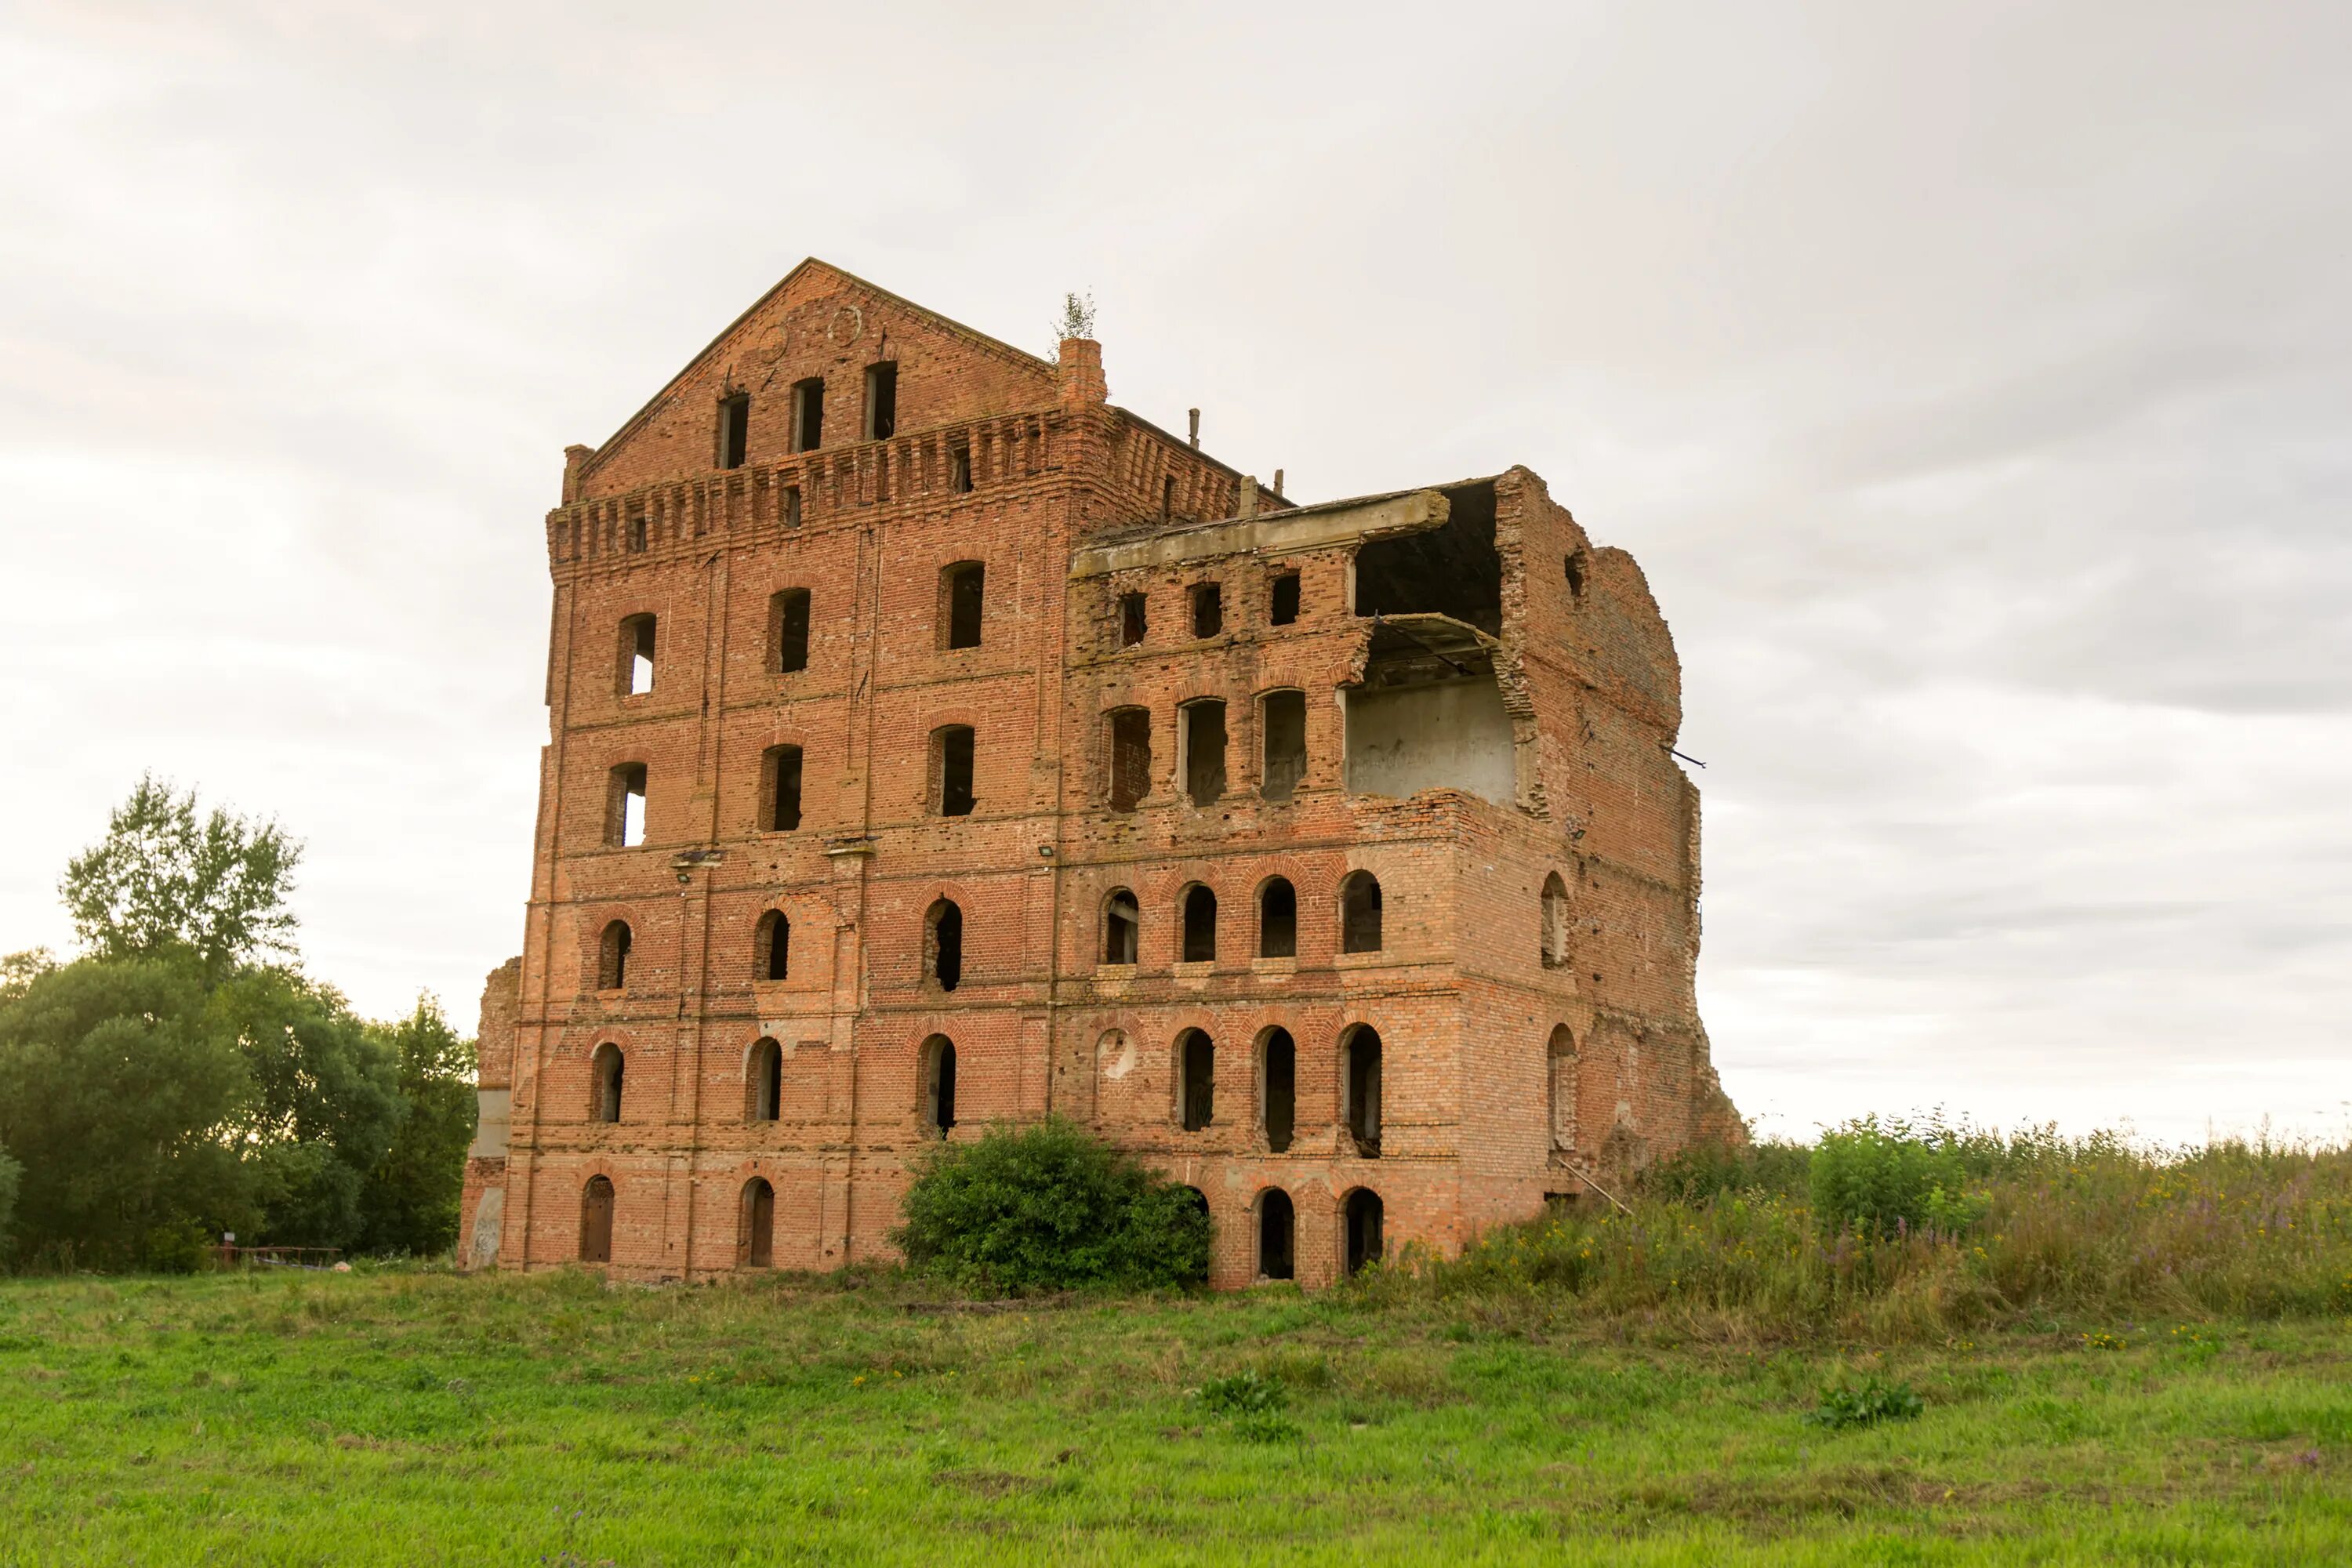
(1363, 1214)
(1277, 1224)
(755, 1243)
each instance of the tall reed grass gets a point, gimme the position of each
(2093, 1228)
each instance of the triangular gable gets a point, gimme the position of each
(816, 321)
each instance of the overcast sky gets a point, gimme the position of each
(1974, 383)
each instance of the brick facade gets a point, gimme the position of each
(1488, 700)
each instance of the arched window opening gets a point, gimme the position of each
(1559, 1089)
(1196, 1081)
(612, 957)
(1359, 913)
(1204, 750)
(779, 789)
(1122, 926)
(1276, 1222)
(1363, 1219)
(763, 1082)
(755, 1240)
(636, 656)
(597, 1220)
(1555, 922)
(772, 946)
(604, 1081)
(1277, 919)
(1282, 729)
(944, 944)
(939, 1085)
(951, 760)
(625, 806)
(1359, 1083)
(964, 588)
(1130, 757)
(1199, 925)
(1277, 1095)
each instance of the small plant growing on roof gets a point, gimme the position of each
(1076, 319)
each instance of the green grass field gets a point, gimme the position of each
(414, 1416)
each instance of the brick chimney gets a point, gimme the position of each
(575, 458)
(1082, 373)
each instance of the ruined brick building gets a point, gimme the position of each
(934, 743)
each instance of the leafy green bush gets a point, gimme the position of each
(1695, 1174)
(1876, 1180)
(1249, 1393)
(1047, 1207)
(1864, 1404)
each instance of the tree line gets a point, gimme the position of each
(184, 1077)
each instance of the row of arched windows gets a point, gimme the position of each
(772, 948)
(1277, 920)
(1275, 1221)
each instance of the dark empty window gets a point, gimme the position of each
(944, 944)
(772, 946)
(1284, 608)
(808, 415)
(636, 656)
(789, 512)
(1199, 925)
(962, 587)
(612, 957)
(1283, 731)
(788, 629)
(1275, 1222)
(959, 468)
(1208, 609)
(604, 1083)
(951, 770)
(625, 806)
(1277, 919)
(1168, 495)
(780, 790)
(881, 401)
(763, 1084)
(1196, 1084)
(1204, 752)
(1130, 757)
(1575, 566)
(637, 533)
(1359, 913)
(1360, 1080)
(938, 1084)
(1130, 619)
(1122, 921)
(734, 429)
(1279, 1092)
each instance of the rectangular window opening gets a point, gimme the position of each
(625, 817)
(1208, 609)
(954, 759)
(881, 401)
(783, 788)
(788, 623)
(965, 585)
(808, 415)
(1130, 757)
(734, 429)
(1131, 620)
(1283, 609)
(1284, 729)
(637, 534)
(1204, 752)
(959, 468)
(790, 510)
(1168, 497)
(637, 655)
